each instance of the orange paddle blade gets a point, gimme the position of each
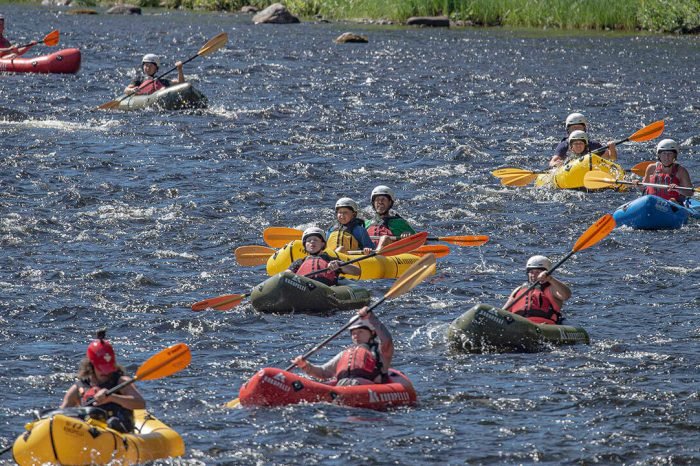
(109, 105)
(165, 363)
(595, 232)
(464, 240)
(438, 250)
(641, 168)
(651, 131)
(280, 236)
(220, 303)
(52, 38)
(404, 245)
(251, 256)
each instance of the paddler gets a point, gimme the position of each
(98, 373)
(386, 223)
(542, 304)
(349, 233)
(578, 122)
(314, 240)
(148, 84)
(668, 171)
(367, 361)
(7, 50)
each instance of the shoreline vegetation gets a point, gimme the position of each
(663, 16)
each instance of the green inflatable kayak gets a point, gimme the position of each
(485, 328)
(287, 292)
(178, 97)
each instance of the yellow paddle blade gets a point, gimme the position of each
(214, 44)
(508, 172)
(595, 232)
(220, 303)
(414, 275)
(651, 131)
(165, 363)
(233, 403)
(52, 38)
(469, 240)
(280, 236)
(519, 180)
(598, 179)
(641, 168)
(250, 256)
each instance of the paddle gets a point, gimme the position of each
(49, 39)
(405, 283)
(596, 232)
(214, 44)
(251, 256)
(226, 302)
(598, 179)
(277, 237)
(162, 364)
(641, 168)
(520, 177)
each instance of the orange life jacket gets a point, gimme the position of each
(149, 86)
(539, 306)
(359, 362)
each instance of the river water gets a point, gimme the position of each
(123, 220)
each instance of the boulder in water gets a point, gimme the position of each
(124, 9)
(275, 14)
(351, 37)
(429, 21)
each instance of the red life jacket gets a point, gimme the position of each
(659, 177)
(380, 229)
(359, 362)
(539, 306)
(318, 262)
(149, 86)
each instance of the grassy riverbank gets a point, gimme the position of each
(676, 16)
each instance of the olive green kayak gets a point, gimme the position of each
(485, 328)
(287, 292)
(178, 97)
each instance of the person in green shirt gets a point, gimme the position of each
(386, 224)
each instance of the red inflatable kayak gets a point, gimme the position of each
(63, 61)
(276, 387)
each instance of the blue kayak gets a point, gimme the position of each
(654, 213)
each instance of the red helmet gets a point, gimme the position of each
(101, 355)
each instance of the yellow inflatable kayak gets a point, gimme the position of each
(72, 436)
(371, 268)
(570, 175)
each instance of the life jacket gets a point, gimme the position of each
(659, 177)
(88, 391)
(381, 226)
(149, 86)
(360, 361)
(342, 235)
(537, 305)
(318, 262)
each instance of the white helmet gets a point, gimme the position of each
(362, 323)
(313, 231)
(667, 144)
(382, 191)
(347, 202)
(151, 58)
(538, 262)
(578, 135)
(576, 119)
